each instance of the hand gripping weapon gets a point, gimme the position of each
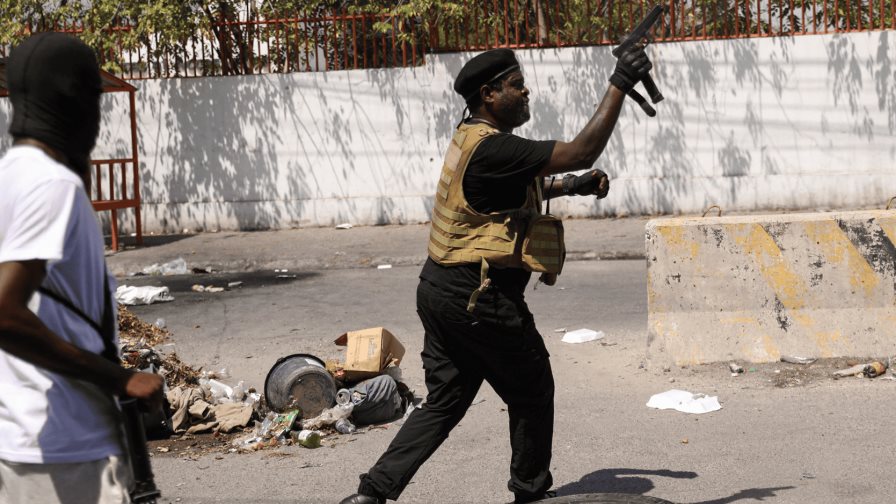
(641, 34)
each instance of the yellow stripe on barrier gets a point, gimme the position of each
(838, 249)
(787, 285)
(675, 237)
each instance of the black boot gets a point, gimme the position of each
(361, 499)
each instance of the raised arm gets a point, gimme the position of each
(583, 151)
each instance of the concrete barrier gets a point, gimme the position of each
(759, 287)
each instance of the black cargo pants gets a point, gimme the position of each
(499, 345)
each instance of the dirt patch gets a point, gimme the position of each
(789, 375)
(191, 446)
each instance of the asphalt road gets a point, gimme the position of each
(827, 442)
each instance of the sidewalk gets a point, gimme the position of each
(359, 247)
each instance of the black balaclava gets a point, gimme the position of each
(54, 85)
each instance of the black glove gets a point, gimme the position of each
(593, 182)
(631, 67)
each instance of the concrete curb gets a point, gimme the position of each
(359, 247)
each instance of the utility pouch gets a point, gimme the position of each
(543, 249)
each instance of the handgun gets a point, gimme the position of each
(641, 35)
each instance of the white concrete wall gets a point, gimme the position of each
(761, 124)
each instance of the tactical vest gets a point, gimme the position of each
(514, 238)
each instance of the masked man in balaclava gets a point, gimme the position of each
(488, 236)
(59, 434)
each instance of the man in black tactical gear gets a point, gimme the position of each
(486, 218)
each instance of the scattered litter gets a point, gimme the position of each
(384, 266)
(560, 330)
(306, 438)
(684, 401)
(287, 276)
(130, 295)
(797, 360)
(582, 336)
(344, 225)
(206, 288)
(192, 413)
(870, 370)
(328, 417)
(874, 369)
(735, 368)
(369, 352)
(281, 271)
(160, 323)
(199, 271)
(175, 267)
(231, 285)
(345, 426)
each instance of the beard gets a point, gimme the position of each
(524, 114)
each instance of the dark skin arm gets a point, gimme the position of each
(25, 336)
(579, 154)
(589, 144)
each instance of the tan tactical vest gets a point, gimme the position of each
(515, 238)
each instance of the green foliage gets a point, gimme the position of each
(206, 37)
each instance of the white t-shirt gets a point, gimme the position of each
(46, 214)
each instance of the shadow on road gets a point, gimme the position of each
(635, 481)
(748, 494)
(620, 480)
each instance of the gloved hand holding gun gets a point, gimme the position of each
(594, 182)
(632, 65)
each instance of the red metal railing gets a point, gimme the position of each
(341, 40)
(116, 186)
(557, 23)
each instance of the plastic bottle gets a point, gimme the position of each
(344, 426)
(306, 438)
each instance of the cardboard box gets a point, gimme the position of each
(369, 351)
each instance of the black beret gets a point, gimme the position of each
(484, 68)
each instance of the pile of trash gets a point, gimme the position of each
(304, 400)
(197, 400)
(311, 399)
(145, 347)
(368, 402)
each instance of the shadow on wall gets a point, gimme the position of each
(263, 151)
(269, 151)
(199, 137)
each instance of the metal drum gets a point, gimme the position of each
(300, 381)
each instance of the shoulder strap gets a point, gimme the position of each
(106, 328)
